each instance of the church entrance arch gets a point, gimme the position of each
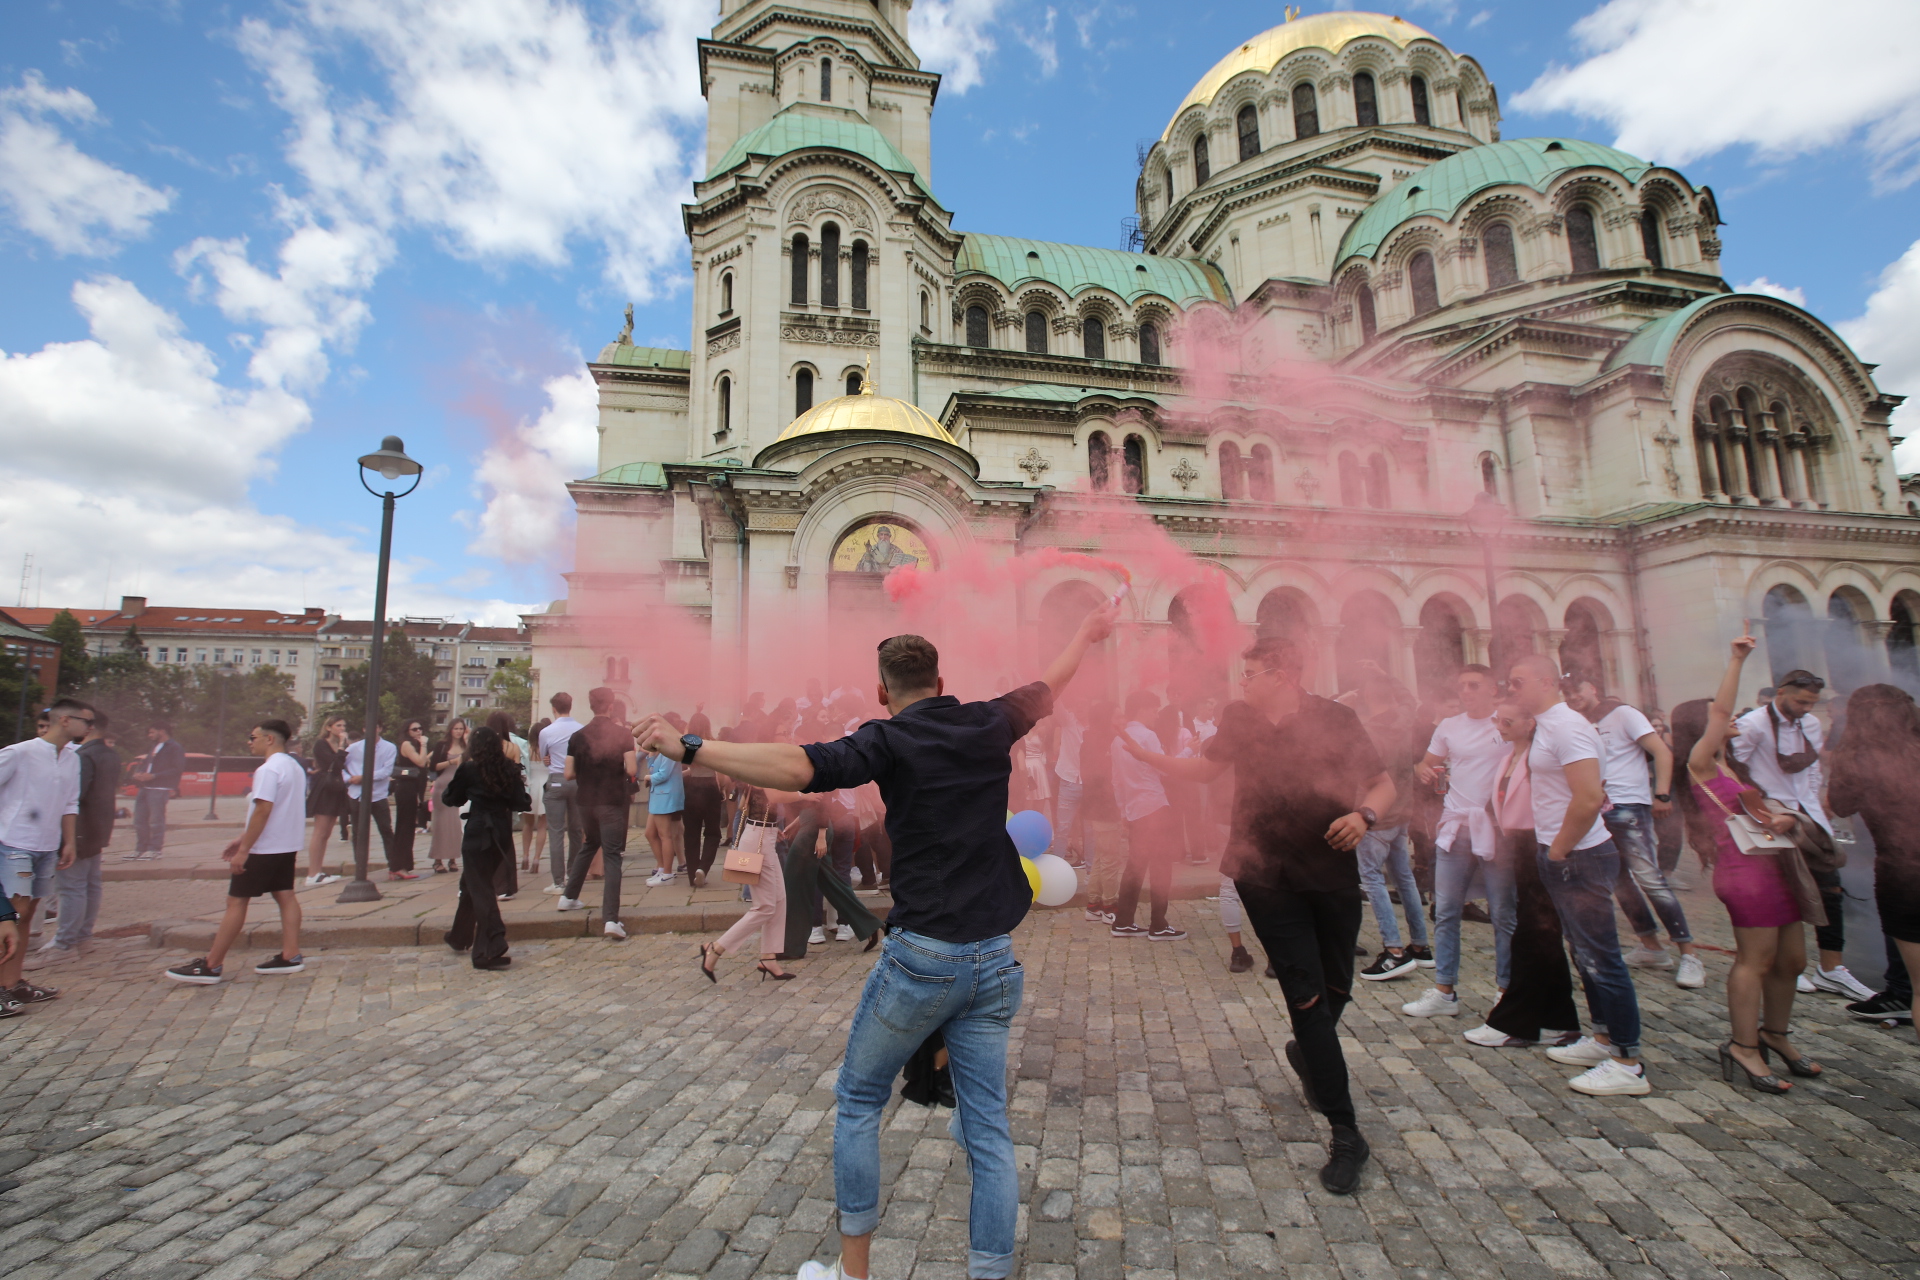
(859, 612)
(1061, 612)
(1201, 636)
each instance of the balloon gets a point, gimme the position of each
(1033, 875)
(1059, 882)
(1032, 833)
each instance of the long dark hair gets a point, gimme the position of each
(1881, 739)
(1688, 722)
(486, 751)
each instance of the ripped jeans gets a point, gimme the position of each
(1309, 937)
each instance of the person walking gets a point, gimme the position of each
(78, 882)
(385, 756)
(1872, 767)
(506, 874)
(1103, 846)
(411, 771)
(158, 776)
(703, 824)
(948, 964)
(39, 830)
(326, 795)
(1069, 733)
(666, 824)
(489, 784)
(446, 826)
(1386, 710)
(561, 801)
(533, 824)
(755, 831)
(1580, 867)
(601, 763)
(1153, 831)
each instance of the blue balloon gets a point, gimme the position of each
(1032, 833)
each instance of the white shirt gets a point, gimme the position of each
(1753, 746)
(553, 743)
(282, 783)
(1066, 766)
(1623, 763)
(1473, 750)
(1136, 784)
(39, 784)
(1561, 736)
(383, 757)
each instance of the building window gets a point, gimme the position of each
(853, 383)
(1489, 475)
(220, 655)
(152, 652)
(725, 423)
(1260, 474)
(1650, 238)
(200, 656)
(826, 79)
(726, 294)
(473, 682)
(1502, 268)
(1133, 466)
(830, 265)
(1363, 303)
(441, 697)
(857, 275)
(1352, 492)
(1231, 479)
(1099, 461)
(800, 244)
(180, 655)
(1201, 169)
(1149, 344)
(1422, 112)
(1306, 111)
(1377, 494)
(977, 326)
(1036, 332)
(1093, 338)
(925, 312)
(802, 391)
(256, 656)
(1581, 241)
(1249, 122)
(1366, 103)
(293, 657)
(1426, 291)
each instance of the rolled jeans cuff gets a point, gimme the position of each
(859, 1222)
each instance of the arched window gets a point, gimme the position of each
(726, 293)
(830, 265)
(725, 422)
(857, 275)
(1422, 112)
(1232, 481)
(926, 311)
(1650, 238)
(1249, 123)
(977, 327)
(1306, 111)
(1366, 103)
(1377, 495)
(853, 382)
(826, 79)
(1363, 303)
(1093, 338)
(1352, 490)
(1037, 332)
(1489, 475)
(1581, 240)
(1790, 633)
(1166, 180)
(802, 391)
(1426, 290)
(1100, 461)
(1440, 650)
(1201, 169)
(1580, 648)
(800, 245)
(1903, 641)
(1502, 268)
(1149, 343)
(1133, 466)
(1260, 474)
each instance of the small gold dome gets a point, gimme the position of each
(866, 412)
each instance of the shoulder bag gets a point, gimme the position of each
(747, 859)
(1754, 838)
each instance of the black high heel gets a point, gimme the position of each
(1761, 1084)
(1804, 1067)
(702, 954)
(766, 973)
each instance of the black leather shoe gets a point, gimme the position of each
(498, 962)
(1346, 1156)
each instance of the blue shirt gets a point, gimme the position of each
(942, 766)
(668, 792)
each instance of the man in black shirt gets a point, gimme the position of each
(1308, 783)
(601, 760)
(958, 889)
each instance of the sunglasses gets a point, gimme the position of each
(1814, 683)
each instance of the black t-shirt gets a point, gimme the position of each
(942, 766)
(599, 755)
(1293, 780)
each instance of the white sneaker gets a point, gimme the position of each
(820, 1271)
(319, 878)
(569, 904)
(1610, 1078)
(555, 888)
(1434, 1004)
(1841, 983)
(844, 933)
(1584, 1052)
(817, 937)
(1487, 1037)
(1649, 958)
(50, 954)
(1804, 985)
(616, 931)
(1691, 974)
(659, 878)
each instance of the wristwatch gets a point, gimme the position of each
(1368, 816)
(690, 743)
(1665, 799)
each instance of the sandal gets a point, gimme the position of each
(704, 953)
(1761, 1083)
(1804, 1067)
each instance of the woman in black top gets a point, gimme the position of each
(494, 789)
(326, 794)
(1870, 771)
(409, 793)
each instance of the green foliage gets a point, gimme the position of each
(512, 690)
(131, 642)
(12, 673)
(406, 685)
(65, 631)
(137, 695)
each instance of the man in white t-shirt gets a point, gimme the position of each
(1627, 743)
(565, 830)
(1579, 866)
(1071, 731)
(1152, 833)
(262, 858)
(39, 813)
(1466, 846)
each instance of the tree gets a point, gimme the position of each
(512, 690)
(13, 672)
(137, 696)
(65, 631)
(406, 679)
(131, 642)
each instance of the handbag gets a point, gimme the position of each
(747, 858)
(1793, 863)
(408, 772)
(1749, 835)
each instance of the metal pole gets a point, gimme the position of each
(219, 732)
(360, 889)
(1494, 646)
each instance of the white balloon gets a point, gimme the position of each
(1058, 880)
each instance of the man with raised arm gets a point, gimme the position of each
(958, 890)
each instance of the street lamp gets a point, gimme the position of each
(1487, 517)
(219, 735)
(389, 462)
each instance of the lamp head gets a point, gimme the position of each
(1487, 515)
(391, 460)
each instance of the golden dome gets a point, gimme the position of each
(866, 412)
(1329, 31)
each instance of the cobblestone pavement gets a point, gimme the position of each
(601, 1111)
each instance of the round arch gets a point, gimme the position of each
(1440, 650)
(1850, 660)
(1791, 634)
(1369, 632)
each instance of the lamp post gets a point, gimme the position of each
(219, 735)
(390, 462)
(1487, 517)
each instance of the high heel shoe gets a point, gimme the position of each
(766, 973)
(703, 965)
(1761, 1084)
(1803, 1066)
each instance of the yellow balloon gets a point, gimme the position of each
(1033, 875)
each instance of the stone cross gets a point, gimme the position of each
(1185, 474)
(1033, 464)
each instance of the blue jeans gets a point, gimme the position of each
(969, 992)
(1385, 851)
(1582, 891)
(150, 819)
(1631, 826)
(1455, 873)
(79, 887)
(1066, 812)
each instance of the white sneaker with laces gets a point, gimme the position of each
(1584, 1052)
(319, 878)
(1434, 1004)
(844, 933)
(1691, 973)
(811, 1270)
(1804, 985)
(569, 904)
(1649, 958)
(817, 938)
(616, 931)
(1488, 1038)
(659, 878)
(555, 888)
(1841, 983)
(1610, 1078)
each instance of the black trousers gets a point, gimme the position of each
(407, 797)
(809, 879)
(1541, 995)
(476, 917)
(383, 823)
(1309, 937)
(1831, 936)
(1153, 842)
(703, 824)
(875, 855)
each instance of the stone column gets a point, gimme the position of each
(1797, 446)
(1706, 445)
(1739, 488)
(1766, 472)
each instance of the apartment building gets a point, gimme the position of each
(465, 657)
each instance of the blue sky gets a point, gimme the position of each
(242, 242)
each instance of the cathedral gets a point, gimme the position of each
(1411, 392)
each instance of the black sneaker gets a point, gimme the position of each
(1270, 972)
(27, 993)
(1475, 913)
(1167, 933)
(1240, 961)
(1346, 1156)
(498, 962)
(1127, 931)
(1298, 1062)
(281, 964)
(1882, 1008)
(1422, 956)
(1389, 965)
(198, 972)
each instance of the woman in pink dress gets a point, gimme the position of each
(1770, 941)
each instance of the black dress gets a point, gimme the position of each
(1879, 796)
(327, 796)
(488, 840)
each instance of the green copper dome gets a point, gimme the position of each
(1074, 268)
(1440, 189)
(806, 126)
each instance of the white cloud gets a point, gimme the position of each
(951, 38)
(76, 203)
(523, 476)
(1785, 292)
(1728, 75)
(1888, 332)
(1480, 18)
(1042, 43)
